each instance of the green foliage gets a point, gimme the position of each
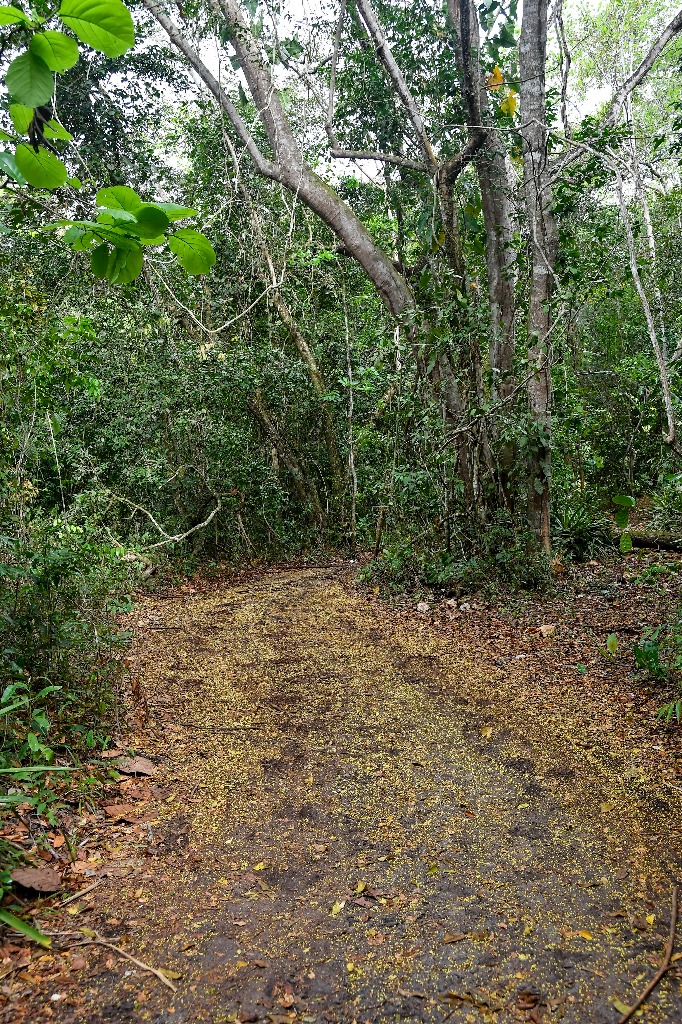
(666, 505)
(105, 25)
(507, 561)
(579, 531)
(659, 654)
(625, 504)
(124, 225)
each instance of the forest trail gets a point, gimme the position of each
(363, 826)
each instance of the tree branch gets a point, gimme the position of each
(396, 76)
(386, 158)
(642, 70)
(263, 165)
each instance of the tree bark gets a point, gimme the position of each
(303, 485)
(542, 255)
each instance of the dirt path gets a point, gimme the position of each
(359, 825)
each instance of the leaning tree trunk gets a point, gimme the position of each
(542, 256)
(303, 485)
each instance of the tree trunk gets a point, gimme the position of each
(303, 485)
(542, 255)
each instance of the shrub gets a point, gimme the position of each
(579, 531)
(666, 505)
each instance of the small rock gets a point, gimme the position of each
(423, 607)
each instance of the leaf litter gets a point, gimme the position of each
(382, 741)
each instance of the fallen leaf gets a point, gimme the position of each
(136, 766)
(79, 963)
(620, 1005)
(548, 630)
(361, 886)
(40, 879)
(126, 812)
(451, 937)
(171, 975)
(606, 807)
(487, 732)
(337, 908)
(585, 935)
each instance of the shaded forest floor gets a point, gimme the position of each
(361, 814)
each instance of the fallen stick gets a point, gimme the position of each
(83, 892)
(665, 966)
(138, 963)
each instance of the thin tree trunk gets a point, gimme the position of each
(670, 437)
(303, 485)
(542, 254)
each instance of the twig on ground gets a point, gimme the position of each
(138, 963)
(83, 892)
(665, 966)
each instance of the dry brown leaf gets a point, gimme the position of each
(40, 879)
(126, 812)
(136, 766)
(451, 937)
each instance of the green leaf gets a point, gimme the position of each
(107, 216)
(175, 212)
(192, 250)
(13, 16)
(99, 260)
(60, 52)
(150, 221)
(105, 25)
(623, 499)
(26, 929)
(625, 543)
(29, 80)
(622, 517)
(124, 265)
(54, 130)
(21, 117)
(8, 164)
(41, 169)
(74, 182)
(119, 197)
(612, 643)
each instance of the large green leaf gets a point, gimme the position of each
(13, 16)
(25, 929)
(119, 197)
(107, 216)
(623, 499)
(8, 165)
(21, 117)
(29, 80)
(124, 265)
(105, 25)
(54, 130)
(175, 212)
(622, 517)
(150, 221)
(192, 250)
(625, 543)
(60, 52)
(41, 169)
(99, 260)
